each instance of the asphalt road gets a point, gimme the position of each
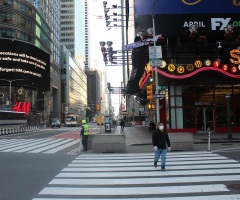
(23, 175)
(30, 162)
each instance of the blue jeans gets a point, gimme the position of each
(162, 153)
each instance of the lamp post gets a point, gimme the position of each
(228, 96)
(10, 87)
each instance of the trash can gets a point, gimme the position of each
(107, 127)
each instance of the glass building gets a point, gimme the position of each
(36, 23)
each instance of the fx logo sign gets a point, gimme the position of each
(221, 23)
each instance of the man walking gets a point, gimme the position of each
(122, 124)
(160, 141)
(84, 134)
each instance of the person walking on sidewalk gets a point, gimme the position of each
(122, 124)
(161, 144)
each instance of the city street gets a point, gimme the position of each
(46, 165)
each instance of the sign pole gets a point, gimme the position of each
(156, 73)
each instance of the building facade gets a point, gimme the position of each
(28, 23)
(199, 73)
(74, 85)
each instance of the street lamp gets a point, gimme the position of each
(10, 87)
(228, 96)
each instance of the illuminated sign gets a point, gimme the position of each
(180, 69)
(21, 60)
(216, 63)
(235, 54)
(190, 67)
(210, 15)
(236, 2)
(198, 63)
(234, 69)
(22, 107)
(191, 3)
(171, 67)
(207, 62)
(225, 67)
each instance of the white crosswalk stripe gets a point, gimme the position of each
(47, 145)
(189, 176)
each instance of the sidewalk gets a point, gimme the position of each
(139, 139)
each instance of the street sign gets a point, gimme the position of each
(162, 87)
(158, 96)
(155, 56)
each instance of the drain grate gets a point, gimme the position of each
(233, 186)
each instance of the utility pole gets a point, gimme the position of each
(156, 64)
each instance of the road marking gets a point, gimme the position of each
(134, 190)
(215, 197)
(132, 176)
(62, 147)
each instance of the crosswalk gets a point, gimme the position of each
(47, 145)
(189, 176)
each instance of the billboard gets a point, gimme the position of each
(145, 7)
(173, 18)
(21, 60)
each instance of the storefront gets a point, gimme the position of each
(200, 70)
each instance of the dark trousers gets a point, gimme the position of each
(84, 142)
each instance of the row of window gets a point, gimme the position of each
(68, 22)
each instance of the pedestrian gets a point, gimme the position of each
(122, 124)
(114, 122)
(84, 134)
(152, 126)
(161, 144)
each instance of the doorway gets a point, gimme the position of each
(204, 119)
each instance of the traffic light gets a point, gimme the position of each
(98, 107)
(151, 106)
(150, 92)
(151, 79)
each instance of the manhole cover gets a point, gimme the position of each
(233, 187)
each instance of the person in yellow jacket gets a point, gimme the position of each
(84, 134)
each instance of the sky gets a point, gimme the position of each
(114, 73)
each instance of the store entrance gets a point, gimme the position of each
(204, 119)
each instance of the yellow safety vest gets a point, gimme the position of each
(86, 129)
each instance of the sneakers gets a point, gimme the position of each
(155, 164)
(163, 169)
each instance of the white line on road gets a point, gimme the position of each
(134, 190)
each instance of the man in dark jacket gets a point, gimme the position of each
(161, 144)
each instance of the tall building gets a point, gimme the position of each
(73, 28)
(197, 81)
(74, 85)
(93, 88)
(94, 32)
(50, 12)
(35, 25)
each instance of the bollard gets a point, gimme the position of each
(209, 139)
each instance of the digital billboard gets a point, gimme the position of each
(21, 60)
(143, 7)
(176, 16)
